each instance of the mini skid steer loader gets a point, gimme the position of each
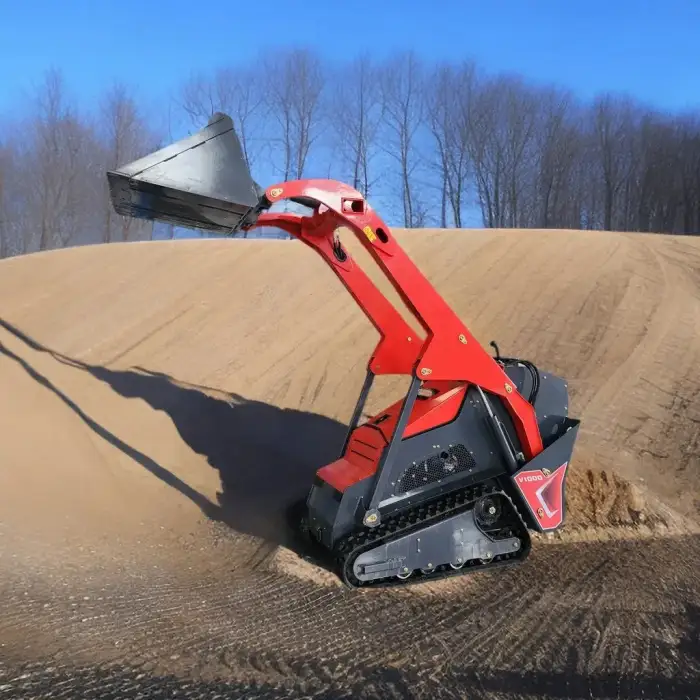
(453, 477)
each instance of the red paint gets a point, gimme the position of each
(400, 350)
(359, 461)
(368, 441)
(395, 353)
(426, 414)
(544, 495)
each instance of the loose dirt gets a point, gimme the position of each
(164, 403)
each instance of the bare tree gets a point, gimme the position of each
(16, 217)
(56, 174)
(520, 114)
(126, 136)
(402, 85)
(502, 121)
(440, 94)
(235, 91)
(355, 113)
(614, 130)
(448, 96)
(688, 148)
(533, 156)
(558, 146)
(295, 83)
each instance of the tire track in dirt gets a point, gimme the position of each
(628, 368)
(626, 604)
(59, 683)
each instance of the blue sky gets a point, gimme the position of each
(649, 49)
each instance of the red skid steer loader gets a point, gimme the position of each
(448, 480)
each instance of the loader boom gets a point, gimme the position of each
(449, 353)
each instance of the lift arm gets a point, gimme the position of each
(399, 346)
(449, 352)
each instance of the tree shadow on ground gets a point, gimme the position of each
(266, 456)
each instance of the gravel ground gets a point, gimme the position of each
(605, 620)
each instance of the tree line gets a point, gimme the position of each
(429, 144)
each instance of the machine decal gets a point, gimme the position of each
(544, 494)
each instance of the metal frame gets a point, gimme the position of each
(449, 353)
(357, 413)
(383, 474)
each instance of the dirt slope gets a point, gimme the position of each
(152, 388)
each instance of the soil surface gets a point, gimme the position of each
(163, 404)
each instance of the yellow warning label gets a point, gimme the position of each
(371, 235)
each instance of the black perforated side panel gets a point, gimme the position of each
(445, 463)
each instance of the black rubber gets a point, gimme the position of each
(510, 524)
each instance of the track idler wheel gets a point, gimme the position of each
(488, 510)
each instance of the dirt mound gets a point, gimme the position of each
(165, 404)
(600, 498)
(603, 505)
(194, 378)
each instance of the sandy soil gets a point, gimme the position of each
(163, 403)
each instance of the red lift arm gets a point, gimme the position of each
(449, 354)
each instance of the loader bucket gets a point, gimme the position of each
(200, 182)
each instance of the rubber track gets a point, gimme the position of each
(350, 547)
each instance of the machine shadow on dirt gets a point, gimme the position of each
(266, 456)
